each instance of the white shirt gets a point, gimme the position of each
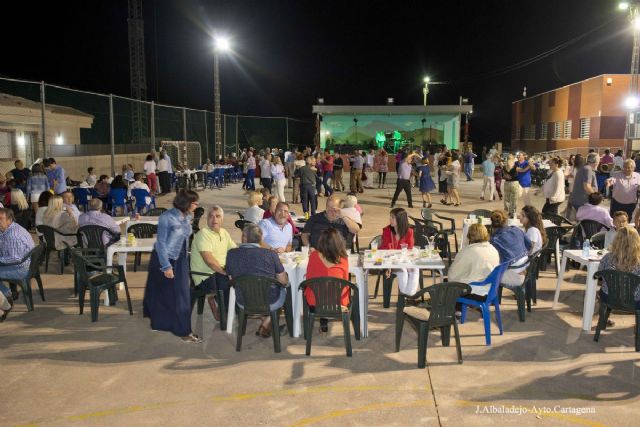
(370, 159)
(536, 239)
(353, 214)
(254, 214)
(163, 165)
(150, 167)
(474, 263)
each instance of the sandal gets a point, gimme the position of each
(263, 332)
(192, 338)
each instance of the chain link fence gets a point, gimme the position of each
(40, 120)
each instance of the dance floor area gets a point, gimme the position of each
(59, 368)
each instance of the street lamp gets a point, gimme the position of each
(633, 100)
(425, 90)
(221, 46)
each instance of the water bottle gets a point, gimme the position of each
(586, 246)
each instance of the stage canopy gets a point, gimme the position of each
(390, 126)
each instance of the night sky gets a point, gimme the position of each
(288, 53)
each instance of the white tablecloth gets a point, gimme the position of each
(122, 249)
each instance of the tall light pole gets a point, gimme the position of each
(425, 89)
(221, 45)
(633, 101)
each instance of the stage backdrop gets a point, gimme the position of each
(372, 130)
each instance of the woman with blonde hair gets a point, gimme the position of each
(476, 260)
(254, 212)
(62, 219)
(624, 255)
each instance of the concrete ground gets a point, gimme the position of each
(59, 368)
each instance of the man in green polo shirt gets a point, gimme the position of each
(209, 255)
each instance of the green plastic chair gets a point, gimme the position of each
(525, 292)
(256, 291)
(35, 257)
(49, 236)
(141, 231)
(97, 282)
(621, 290)
(440, 315)
(328, 295)
(156, 211)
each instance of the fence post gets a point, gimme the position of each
(43, 123)
(287, 124)
(206, 134)
(224, 134)
(153, 125)
(237, 147)
(112, 137)
(184, 124)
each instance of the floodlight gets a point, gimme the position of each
(426, 79)
(632, 101)
(222, 44)
(623, 5)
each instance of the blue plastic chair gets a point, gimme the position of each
(140, 195)
(219, 177)
(118, 198)
(82, 197)
(484, 303)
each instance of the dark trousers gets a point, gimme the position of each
(308, 196)
(382, 178)
(266, 183)
(550, 207)
(403, 184)
(222, 283)
(249, 182)
(628, 208)
(165, 182)
(328, 190)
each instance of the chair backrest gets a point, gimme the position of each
(377, 239)
(156, 211)
(240, 223)
(585, 229)
(597, 240)
(140, 194)
(80, 263)
(197, 214)
(553, 234)
(143, 231)
(328, 294)
(118, 196)
(480, 212)
(240, 214)
(256, 292)
(48, 233)
(94, 193)
(443, 302)
(621, 288)
(533, 266)
(556, 219)
(90, 236)
(36, 258)
(494, 278)
(426, 214)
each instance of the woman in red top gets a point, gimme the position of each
(272, 202)
(394, 235)
(329, 260)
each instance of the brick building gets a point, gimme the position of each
(587, 114)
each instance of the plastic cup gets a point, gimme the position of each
(305, 250)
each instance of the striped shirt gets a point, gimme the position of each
(15, 244)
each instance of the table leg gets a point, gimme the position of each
(558, 255)
(122, 260)
(589, 296)
(363, 295)
(231, 312)
(561, 271)
(109, 264)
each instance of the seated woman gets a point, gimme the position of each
(43, 205)
(61, 218)
(475, 261)
(350, 209)
(624, 255)
(328, 260)
(531, 219)
(20, 208)
(512, 245)
(394, 235)
(272, 203)
(254, 212)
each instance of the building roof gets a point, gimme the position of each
(570, 84)
(16, 101)
(392, 109)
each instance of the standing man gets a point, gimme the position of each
(20, 175)
(265, 171)
(584, 183)
(290, 167)
(249, 182)
(524, 168)
(209, 255)
(488, 170)
(355, 181)
(404, 181)
(56, 175)
(338, 166)
(307, 184)
(327, 177)
(468, 164)
(371, 157)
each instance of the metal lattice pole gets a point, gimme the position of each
(630, 128)
(216, 113)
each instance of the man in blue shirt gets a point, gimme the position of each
(277, 233)
(468, 164)
(56, 175)
(524, 168)
(488, 169)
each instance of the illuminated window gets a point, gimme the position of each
(567, 129)
(557, 131)
(585, 128)
(543, 130)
